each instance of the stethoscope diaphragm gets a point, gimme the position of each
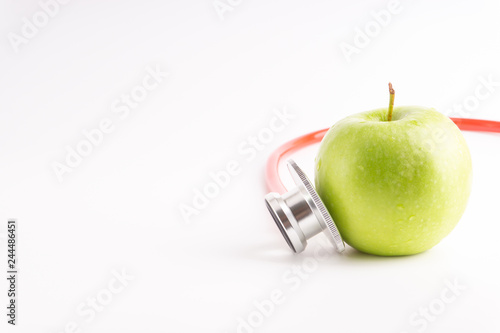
(300, 214)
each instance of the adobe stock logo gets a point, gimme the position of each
(248, 149)
(373, 28)
(291, 280)
(91, 308)
(483, 90)
(426, 315)
(121, 107)
(223, 6)
(30, 28)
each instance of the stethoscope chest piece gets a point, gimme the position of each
(300, 214)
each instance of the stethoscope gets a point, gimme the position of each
(299, 212)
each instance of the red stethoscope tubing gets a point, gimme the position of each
(273, 180)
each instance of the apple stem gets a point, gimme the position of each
(391, 102)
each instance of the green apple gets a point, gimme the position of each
(395, 180)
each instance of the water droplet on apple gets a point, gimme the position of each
(401, 207)
(318, 165)
(411, 218)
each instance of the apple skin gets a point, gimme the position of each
(394, 187)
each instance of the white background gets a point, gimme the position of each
(119, 209)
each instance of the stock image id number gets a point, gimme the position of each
(11, 245)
